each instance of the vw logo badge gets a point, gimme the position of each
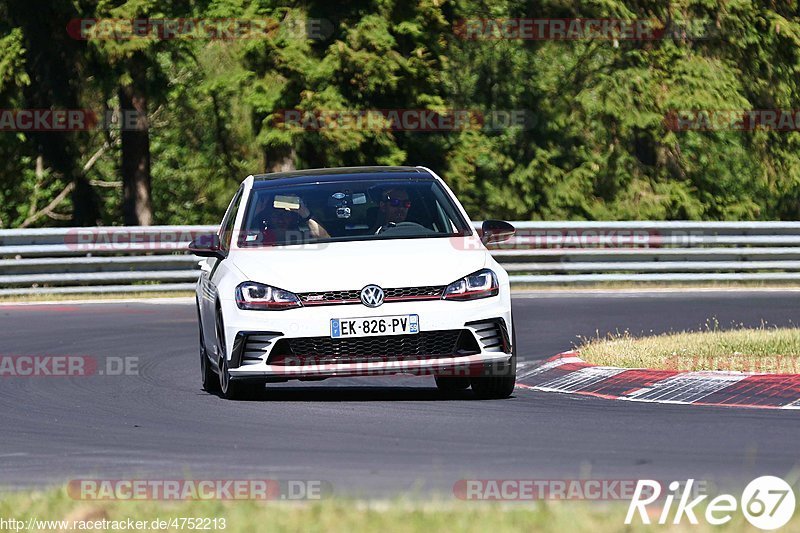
(372, 296)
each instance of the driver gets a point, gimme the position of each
(393, 208)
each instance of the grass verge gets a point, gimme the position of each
(764, 349)
(341, 515)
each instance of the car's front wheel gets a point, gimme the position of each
(502, 381)
(451, 384)
(237, 389)
(231, 388)
(210, 379)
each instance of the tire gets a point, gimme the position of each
(237, 389)
(210, 378)
(231, 388)
(498, 387)
(452, 384)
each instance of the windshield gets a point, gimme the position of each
(349, 211)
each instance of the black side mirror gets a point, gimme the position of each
(496, 231)
(207, 246)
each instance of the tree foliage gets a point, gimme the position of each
(595, 143)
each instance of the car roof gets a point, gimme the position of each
(332, 175)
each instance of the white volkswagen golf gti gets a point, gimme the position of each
(361, 271)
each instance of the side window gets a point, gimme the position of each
(226, 227)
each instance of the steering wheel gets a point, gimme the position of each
(406, 228)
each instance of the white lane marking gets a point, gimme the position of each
(685, 388)
(793, 405)
(549, 365)
(524, 366)
(580, 379)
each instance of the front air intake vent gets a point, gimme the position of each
(252, 347)
(257, 348)
(492, 335)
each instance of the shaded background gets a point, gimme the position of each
(597, 145)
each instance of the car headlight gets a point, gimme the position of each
(259, 297)
(480, 284)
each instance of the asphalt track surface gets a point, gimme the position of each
(372, 437)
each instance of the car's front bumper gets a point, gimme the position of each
(434, 316)
(463, 366)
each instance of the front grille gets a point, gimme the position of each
(424, 345)
(329, 297)
(430, 292)
(408, 293)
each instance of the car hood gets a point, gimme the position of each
(352, 265)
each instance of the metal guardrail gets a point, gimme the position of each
(144, 259)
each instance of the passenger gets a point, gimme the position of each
(284, 224)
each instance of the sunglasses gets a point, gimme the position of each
(394, 202)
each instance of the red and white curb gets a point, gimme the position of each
(568, 373)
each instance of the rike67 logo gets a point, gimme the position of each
(767, 502)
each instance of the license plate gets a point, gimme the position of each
(370, 326)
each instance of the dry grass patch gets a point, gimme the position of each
(764, 349)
